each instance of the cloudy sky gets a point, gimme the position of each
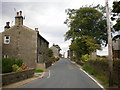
(46, 15)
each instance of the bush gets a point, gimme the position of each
(57, 58)
(74, 58)
(8, 63)
(19, 62)
(14, 68)
(51, 59)
(85, 57)
(19, 69)
(90, 70)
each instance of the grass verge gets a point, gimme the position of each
(94, 72)
(39, 70)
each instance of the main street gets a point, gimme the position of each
(63, 74)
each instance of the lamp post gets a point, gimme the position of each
(110, 55)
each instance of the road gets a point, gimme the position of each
(63, 74)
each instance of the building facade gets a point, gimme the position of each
(116, 49)
(56, 50)
(0, 45)
(42, 50)
(21, 42)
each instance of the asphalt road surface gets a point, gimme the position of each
(63, 74)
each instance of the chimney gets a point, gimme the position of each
(7, 25)
(17, 13)
(36, 29)
(19, 18)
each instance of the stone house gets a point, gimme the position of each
(116, 49)
(0, 45)
(70, 53)
(21, 42)
(56, 50)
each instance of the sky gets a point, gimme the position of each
(46, 15)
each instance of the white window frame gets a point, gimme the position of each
(6, 40)
(5, 56)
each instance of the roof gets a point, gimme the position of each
(11, 28)
(25, 27)
(43, 38)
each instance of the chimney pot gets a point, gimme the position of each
(7, 23)
(36, 29)
(17, 13)
(20, 13)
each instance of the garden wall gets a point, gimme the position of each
(13, 77)
(41, 66)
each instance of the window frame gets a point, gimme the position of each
(6, 39)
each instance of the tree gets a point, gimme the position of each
(84, 45)
(88, 21)
(57, 46)
(50, 53)
(116, 13)
(85, 57)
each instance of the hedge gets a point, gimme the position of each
(7, 64)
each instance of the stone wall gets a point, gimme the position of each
(13, 77)
(42, 49)
(116, 49)
(23, 45)
(116, 54)
(0, 45)
(41, 66)
(116, 45)
(0, 58)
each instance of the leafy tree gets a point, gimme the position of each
(88, 21)
(84, 45)
(116, 11)
(57, 46)
(85, 57)
(50, 53)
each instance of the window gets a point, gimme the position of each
(6, 39)
(5, 56)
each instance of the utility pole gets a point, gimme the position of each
(110, 55)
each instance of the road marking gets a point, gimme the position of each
(48, 74)
(90, 76)
(93, 79)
